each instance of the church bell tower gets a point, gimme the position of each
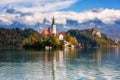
(53, 27)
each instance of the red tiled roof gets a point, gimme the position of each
(60, 33)
(46, 32)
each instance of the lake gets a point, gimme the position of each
(67, 64)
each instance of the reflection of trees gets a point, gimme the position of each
(98, 57)
(19, 56)
(45, 56)
(70, 53)
(102, 55)
(117, 54)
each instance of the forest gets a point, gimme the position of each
(29, 38)
(13, 38)
(86, 38)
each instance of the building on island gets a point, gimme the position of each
(53, 26)
(49, 38)
(59, 35)
(52, 30)
(96, 32)
(47, 32)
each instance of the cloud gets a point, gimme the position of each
(6, 2)
(8, 19)
(37, 5)
(107, 16)
(28, 20)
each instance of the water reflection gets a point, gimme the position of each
(67, 64)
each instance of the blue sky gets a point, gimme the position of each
(59, 5)
(83, 5)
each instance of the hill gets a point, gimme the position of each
(12, 38)
(91, 37)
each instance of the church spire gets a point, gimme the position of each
(53, 21)
(53, 26)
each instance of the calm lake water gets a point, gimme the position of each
(67, 64)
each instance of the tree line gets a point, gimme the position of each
(13, 38)
(29, 38)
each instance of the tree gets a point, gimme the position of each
(53, 41)
(72, 40)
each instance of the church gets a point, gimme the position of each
(52, 30)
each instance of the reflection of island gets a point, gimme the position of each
(57, 59)
(59, 65)
(58, 62)
(62, 64)
(46, 56)
(54, 66)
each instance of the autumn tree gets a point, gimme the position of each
(53, 41)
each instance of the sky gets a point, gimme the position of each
(82, 5)
(58, 5)
(31, 12)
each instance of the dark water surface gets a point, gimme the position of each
(67, 64)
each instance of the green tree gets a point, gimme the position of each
(53, 41)
(72, 40)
